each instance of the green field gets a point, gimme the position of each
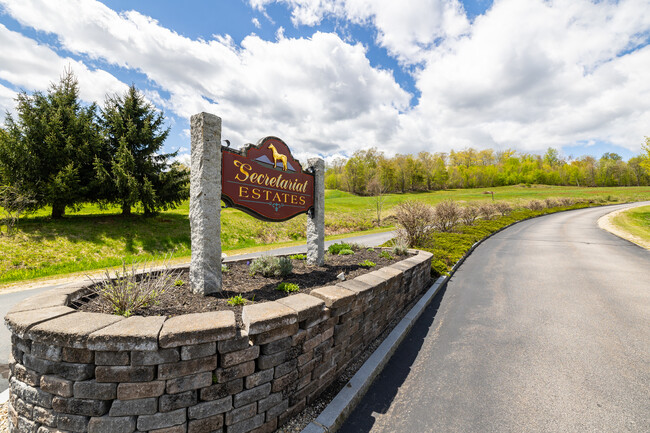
(93, 238)
(636, 222)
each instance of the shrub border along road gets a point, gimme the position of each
(337, 411)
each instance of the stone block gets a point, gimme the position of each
(31, 394)
(78, 356)
(247, 425)
(170, 402)
(144, 406)
(46, 351)
(30, 377)
(284, 382)
(161, 420)
(240, 414)
(181, 428)
(44, 416)
(109, 424)
(132, 333)
(72, 423)
(276, 346)
(269, 361)
(163, 356)
(278, 409)
(23, 408)
(186, 368)
(138, 390)
(250, 395)
(112, 358)
(259, 378)
(92, 389)
(285, 368)
(238, 357)
(221, 390)
(210, 408)
(198, 350)
(238, 342)
(334, 296)
(72, 330)
(275, 334)
(80, 406)
(74, 371)
(56, 385)
(267, 316)
(306, 307)
(187, 383)
(20, 322)
(235, 372)
(26, 425)
(197, 328)
(210, 424)
(268, 402)
(268, 427)
(39, 365)
(124, 374)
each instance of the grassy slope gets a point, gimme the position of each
(635, 221)
(94, 238)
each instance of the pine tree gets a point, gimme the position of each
(47, 152)
(131, 171)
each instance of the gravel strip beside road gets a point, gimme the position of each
(4, 418)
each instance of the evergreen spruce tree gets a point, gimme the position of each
(131, 171)
(47, 152)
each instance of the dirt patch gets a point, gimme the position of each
(177, 300)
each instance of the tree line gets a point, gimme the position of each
(57, 152)
(370, 172)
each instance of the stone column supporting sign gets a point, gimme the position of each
(205, 203)
(316, 223)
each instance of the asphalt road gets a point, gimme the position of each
(544, 328)
(8, 300)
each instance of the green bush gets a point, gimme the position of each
(367, 264)
(386, 255)
(336, 248)
(346, 252)
(287, 287)
(237, 300)
(298, 257)
(271, 266)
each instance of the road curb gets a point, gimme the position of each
(4, 396)
(337, 411)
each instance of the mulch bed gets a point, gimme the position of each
(177, 300)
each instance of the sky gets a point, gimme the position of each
(333, 77)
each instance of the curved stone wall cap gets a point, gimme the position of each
(304, 305)
(356, 285)
(374, 278)
(267, 316)
(51, 298)
(72, 330)
(22, 321)
(404, 265)
(197, 328)
(389, 272)
(132, 333)
(334, 296)
(422, 255)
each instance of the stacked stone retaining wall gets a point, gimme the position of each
(75, 371)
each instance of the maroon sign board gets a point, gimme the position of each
(266, 181)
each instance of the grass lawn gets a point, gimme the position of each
(93, 238)
(635, 221)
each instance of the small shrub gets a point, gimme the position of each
(271, 266)
(503, 207)
(367, 264)
(551, 203)
(566, 201)
(386, 255)
(486, 210)
(469, 214)
(446, 215)
(355, 246)
(224, 269)
(346, 252)
(417, 221)
(179, 283)
(534, 205)
(298, 257)
(287, 287)
(134, 288)
(237, 300)
(336, 248)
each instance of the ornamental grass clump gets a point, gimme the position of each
(134, 288)
(271, 266)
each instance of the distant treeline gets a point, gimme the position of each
(371, 172)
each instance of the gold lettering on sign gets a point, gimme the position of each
(246, 174)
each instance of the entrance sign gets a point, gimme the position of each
(266, 181)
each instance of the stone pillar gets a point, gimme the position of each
(205, 204)
(316, 223)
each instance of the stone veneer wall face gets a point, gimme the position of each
(95, 373)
